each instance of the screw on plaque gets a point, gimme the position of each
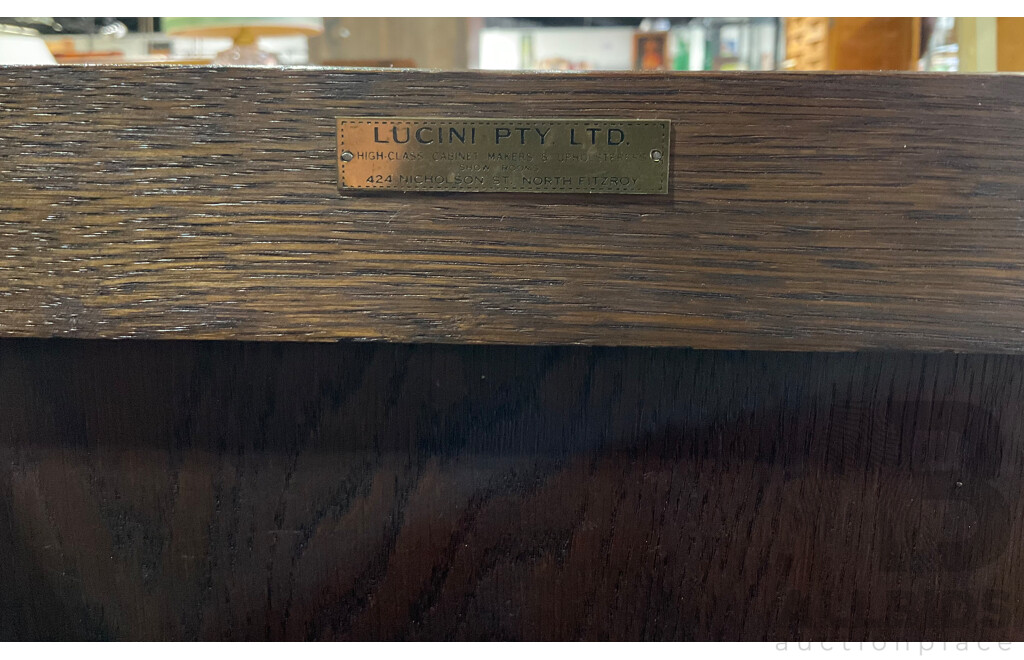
(347, 156)
(656, 155)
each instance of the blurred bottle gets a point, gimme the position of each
(687, 46)
(942, 52)
(680, 45)
(526, 59)
(740, 44)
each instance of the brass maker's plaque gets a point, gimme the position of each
(618, 156)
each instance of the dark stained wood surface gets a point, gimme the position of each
(821, 212)
(219, 490)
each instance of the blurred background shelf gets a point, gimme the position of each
(547, 44)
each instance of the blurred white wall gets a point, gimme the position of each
(598, 48)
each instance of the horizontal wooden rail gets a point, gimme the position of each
(806, 212)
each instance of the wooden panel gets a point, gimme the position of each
(820, 212)
(874, 44)
(219, 490)
(807, 43)
(1010, 44)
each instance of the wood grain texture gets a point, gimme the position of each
(216, 490)
(808, 211)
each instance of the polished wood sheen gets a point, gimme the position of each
(821, 212)
(221, 490)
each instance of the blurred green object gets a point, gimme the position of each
(681, 43)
